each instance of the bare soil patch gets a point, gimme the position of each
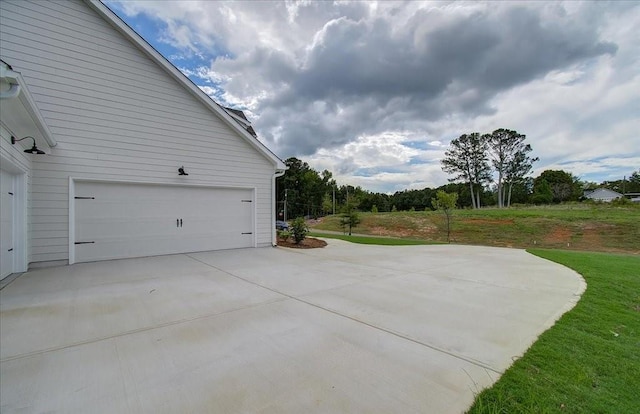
(559, 235)
(591, 238)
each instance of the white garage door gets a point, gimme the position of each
(116, 220)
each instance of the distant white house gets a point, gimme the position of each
(135, 160)
(603, 194)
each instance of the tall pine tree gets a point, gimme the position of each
(467, 158)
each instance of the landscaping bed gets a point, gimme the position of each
(307, 243)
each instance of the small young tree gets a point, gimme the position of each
(445, 202)
(350, 219)
(299, 229)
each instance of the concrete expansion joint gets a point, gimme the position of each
(396, 334)
(135, 331)
(407, 338)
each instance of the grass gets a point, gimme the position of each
(589, 361)
(586, 227)
(384, 241)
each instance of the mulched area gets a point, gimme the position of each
(307, 243)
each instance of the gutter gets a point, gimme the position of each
(278, 173)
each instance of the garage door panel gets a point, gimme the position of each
(117, 249)
(122, 229)
(114, 220)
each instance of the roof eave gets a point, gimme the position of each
(22, 95)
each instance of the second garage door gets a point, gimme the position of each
(118, 220)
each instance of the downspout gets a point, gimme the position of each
(278, 173)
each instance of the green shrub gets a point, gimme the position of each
(621, 202)
(284, 234)
(299, 230)
(374, 209)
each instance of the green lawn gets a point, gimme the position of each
(589, 361)
(385, 241)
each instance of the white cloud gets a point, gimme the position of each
(386, 163)
(348, 86)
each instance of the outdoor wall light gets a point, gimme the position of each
(32, 150)
(181, 171)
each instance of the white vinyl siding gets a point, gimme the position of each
(116, 115)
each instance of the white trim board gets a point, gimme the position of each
(21, 227)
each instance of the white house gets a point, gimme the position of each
(116, 122)
(603, 194)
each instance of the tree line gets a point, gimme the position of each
(307, 192)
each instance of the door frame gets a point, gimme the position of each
(20, 214)
(72, 194)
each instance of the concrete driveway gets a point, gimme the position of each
(344, 329)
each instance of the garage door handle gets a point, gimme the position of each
(178, 222)
(91, 242)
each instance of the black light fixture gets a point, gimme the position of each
(181, 171)
(32, 150)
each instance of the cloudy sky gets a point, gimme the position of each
(374, 91)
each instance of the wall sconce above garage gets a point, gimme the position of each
(33, 150)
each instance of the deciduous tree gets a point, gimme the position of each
(542, 193)
(445, 202)
(564, 186)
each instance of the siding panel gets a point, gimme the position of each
(116, 115)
